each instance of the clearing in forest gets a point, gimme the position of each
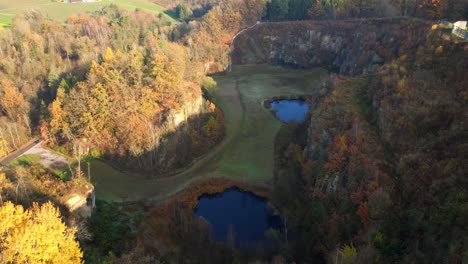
(245, 155)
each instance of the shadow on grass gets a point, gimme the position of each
(171, 13)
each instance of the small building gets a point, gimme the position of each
(459, 29)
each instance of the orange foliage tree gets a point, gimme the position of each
(11, 100)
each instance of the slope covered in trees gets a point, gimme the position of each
(383, 176)
(99, 76)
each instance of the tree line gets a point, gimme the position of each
(282, 10)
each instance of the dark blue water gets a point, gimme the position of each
(290, 110)
(248, 214)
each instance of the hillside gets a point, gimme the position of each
(347, 47)
(150, 117)
(383, 151)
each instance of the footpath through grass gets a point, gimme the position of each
(246, 154)
(61, 11)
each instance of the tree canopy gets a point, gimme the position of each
(36, 235)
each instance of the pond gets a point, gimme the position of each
(242, 214)
(290, 110)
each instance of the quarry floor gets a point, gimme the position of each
(246, 153)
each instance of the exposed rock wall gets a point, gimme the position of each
(177, 141)
(351, 47)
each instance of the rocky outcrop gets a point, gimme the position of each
(177, 141)
(351, 47)
(81, 203)
(194, 107)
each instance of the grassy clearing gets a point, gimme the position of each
(246, 155)
(249, 157)
(110, 184)
(25, 160)
(61, 11)
(146, 6)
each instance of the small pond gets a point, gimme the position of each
(290, 110)
(247, 215)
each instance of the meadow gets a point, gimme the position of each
(61, 11)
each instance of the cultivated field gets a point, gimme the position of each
(60, 11)
(245, 155)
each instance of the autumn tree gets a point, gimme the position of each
(36, 235)
(5, 186)
(212, 129)
(120, 105)
(317, 11)
(11, 101)
(434, 9)
(4, 149)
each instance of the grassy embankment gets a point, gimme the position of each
(60, 11)
(245, 155)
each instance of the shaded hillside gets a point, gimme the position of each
(382, 178)
(349, 47)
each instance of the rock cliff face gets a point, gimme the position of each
(346, 47)
(181, 138)
(174, 148)
(383, 153)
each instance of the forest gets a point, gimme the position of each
(278, 10)
(376, 173)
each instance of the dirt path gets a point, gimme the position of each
(245, 155)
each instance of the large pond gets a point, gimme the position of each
(290, 110)
(242, 214)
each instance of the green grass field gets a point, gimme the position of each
(110, 184)
(60, 11)
(25, 160)
(245, 155)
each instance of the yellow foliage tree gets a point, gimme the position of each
(11, 100)
(4, 149)
(109, 55)
(58, 122)
(36, 235)
(5, 186)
